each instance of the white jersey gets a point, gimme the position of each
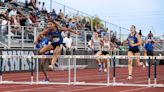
(68, 42)
(106, 46)
(96, 44)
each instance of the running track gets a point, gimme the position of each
(87, 75)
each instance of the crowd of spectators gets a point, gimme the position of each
(35, 14)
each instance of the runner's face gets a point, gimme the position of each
(106, 38)
(95, 35)
(132, 29)
(50, 25)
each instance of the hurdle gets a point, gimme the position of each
(75, 82)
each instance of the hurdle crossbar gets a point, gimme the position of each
(85, 56)
(69, 82)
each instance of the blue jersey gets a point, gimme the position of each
(149, 47)
(43, 43)
(56, 36)
(132, 40)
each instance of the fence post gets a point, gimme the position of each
(9, 36)
(85, 38)
(22, 36)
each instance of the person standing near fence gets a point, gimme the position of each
(149, 48)
(134, 41)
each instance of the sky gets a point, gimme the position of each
(145, 14)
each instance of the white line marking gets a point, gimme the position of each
(136, 89)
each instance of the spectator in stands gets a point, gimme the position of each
(140, 33)
(53, 14)
(43, 7)
(13, 3)
(3, 14)
(150, 35)
(12, 12)
(4, 25)
(28, 20)
(1, 3)
(149, 48)
(6, 1)
(88, 26)
(68, 41)
(23, 20)
(26, 4)
(31, 5)
(61, 15)
(72, 24)
(84, 20)
(39, 6)
(33, 18)
(16, 22)
(97, 27)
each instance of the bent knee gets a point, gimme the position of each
(40, 52)
(130, 62)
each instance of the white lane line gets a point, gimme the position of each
(136, 89)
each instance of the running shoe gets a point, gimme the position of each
(46, 80)
(56, 64)
(50, 67)
(100, 67)
(105, 70)
(130, 77)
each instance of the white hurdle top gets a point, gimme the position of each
(84, 56)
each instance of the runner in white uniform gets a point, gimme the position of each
(108, 45)
(95, 44)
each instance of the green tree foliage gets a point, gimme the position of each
(97, 20)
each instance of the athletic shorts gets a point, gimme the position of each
(55, 44)
(149, 53)
(134, 50)
(105, 52)
(95, 51)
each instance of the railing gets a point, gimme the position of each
(73, 13)
(13, 36)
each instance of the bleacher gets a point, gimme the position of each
(23, 36)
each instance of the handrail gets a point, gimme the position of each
(4, 45)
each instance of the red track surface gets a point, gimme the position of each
(87, 75)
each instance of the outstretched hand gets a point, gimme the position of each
(78, 33)
(35, 42)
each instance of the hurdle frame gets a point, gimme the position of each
(75, 82)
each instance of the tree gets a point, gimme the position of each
(97, 20)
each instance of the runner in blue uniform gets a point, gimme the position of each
(44, 41)
(134, 41)
(53, 30)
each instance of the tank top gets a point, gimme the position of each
(96, 44)
(132, 39)
(106, 46)
(43, 43)
(56, 35)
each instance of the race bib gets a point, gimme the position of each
(97, 46)
(106, 48)
(56, 39)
